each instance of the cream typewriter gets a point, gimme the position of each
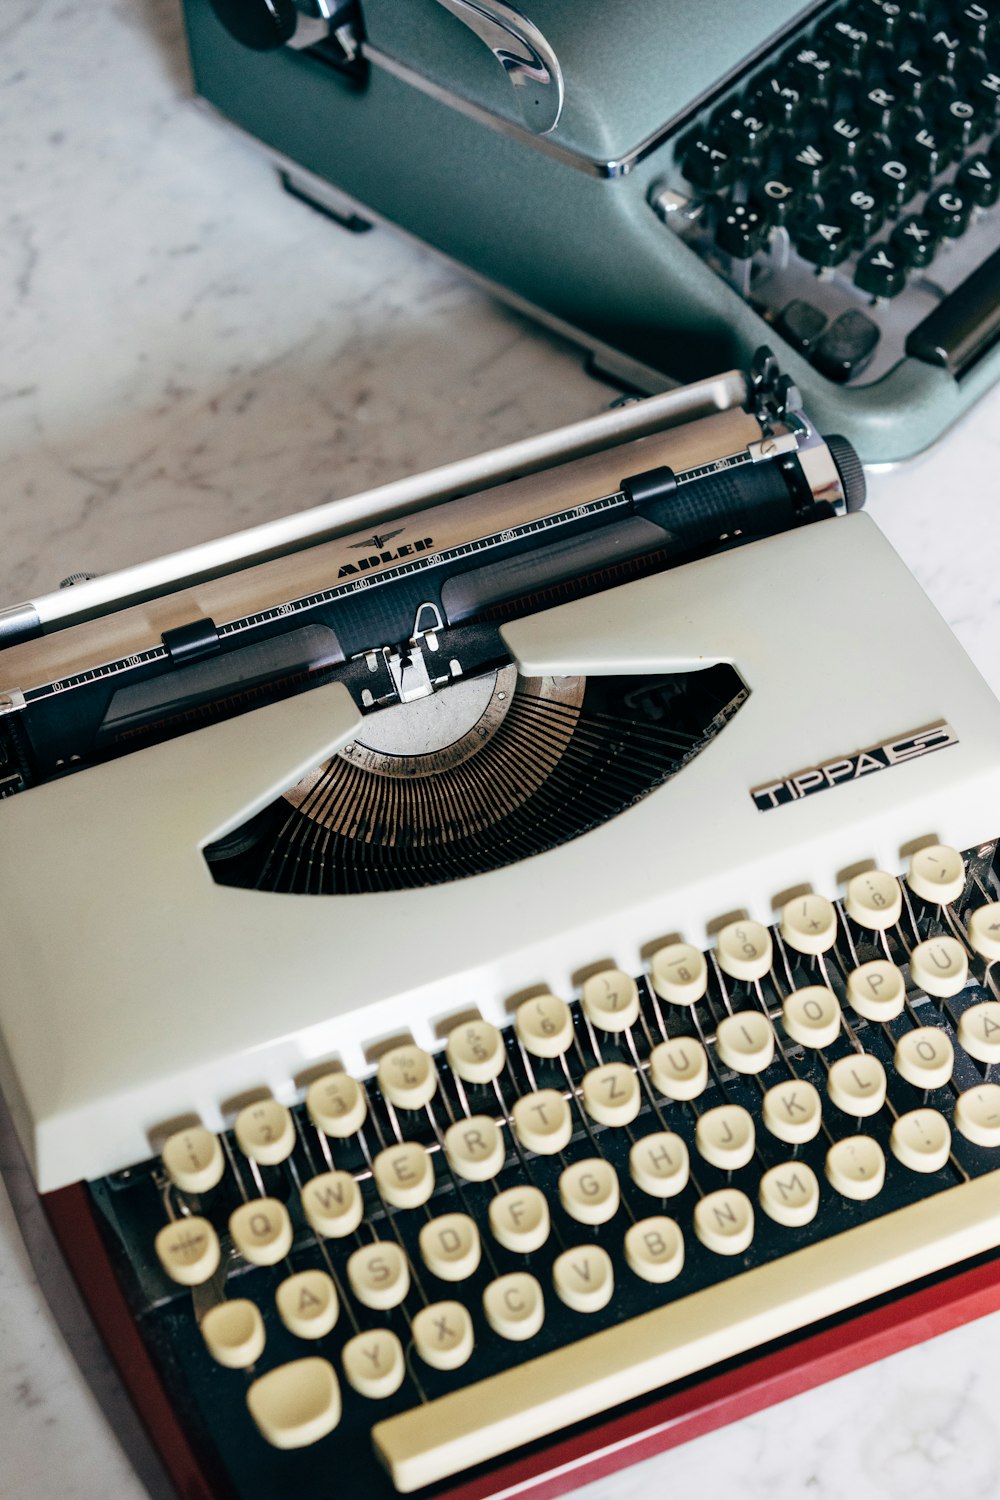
(498, 972)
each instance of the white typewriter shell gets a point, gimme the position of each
(138, 992)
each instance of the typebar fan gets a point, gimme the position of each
(481, 774)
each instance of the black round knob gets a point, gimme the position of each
(259, 24)
(852, 475)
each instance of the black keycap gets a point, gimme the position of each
(979, 180)
(883, 19)
(958, 121)
(908, 80)
(824, 241)
(878, 107)
(846, 347)
(801, 324)
(811, 72)
(807, 165)
(845, 41)
(844, 138)
(893, 180)
(742, 231)
(943, 47)
(743, 129)
(915, 239)
(776, 99)
(881, 271)
(925, 151)
(863, 214)
(776, 200)
(984, 88)
(973, 21)
(948, 208)
(708, 164)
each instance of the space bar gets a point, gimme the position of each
(964, 325)
(581, 1380)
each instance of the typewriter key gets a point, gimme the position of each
(789, 1194)
(937, 873)
(921, 1140)
(611, 1000)
(745, 1041)
(611, 1094)
(584, 1278)
(265, 1132)
(261, 1231)
(744, 950)
(373, 1363)
(811, 1016)
(979, 1031)
(307, 1304)
(332, 1204)
(857, 1084)
(793, 1111)
(877, 990)
(295, 1405)
(188, 1250)
(940, 966)
(873, 900)
(475, 1148)
(514, 1306)
(519, 1219)
(337, 1105)
(925, 1057)
(654, 1249)
(659, 1164)
(234, 1333)
(977, 1114)
(442, 1335)
(984, 931)
(193, 1160)
(855, 1167)
(724, 1222)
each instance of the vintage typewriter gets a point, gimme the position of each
(498, 972)
(669, 184)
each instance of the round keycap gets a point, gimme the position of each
(296, 1405)
(937, 874)
(193, 1160)
(949, 210)
(679, 1069)
(809, 924)
(514, 1306)
(811, 1016)
(874, 900)
(723, 1221)
(916, 240)
(332, 1204)
(744, 950)
(404, 1175)
(855, 1167)
(476, 1052)
(857, 1084)
(611, 1000)
(584, 1278)
(234, 1333)
(977, 1114)
(450, 1247)
(793, 1111)
(925, 1057)
(188, 1250)
(261, 1231)
(611, 1094)
(979, 1031)
(588, 1191)
(265, 1132)
(659, 1164)
(442, 1335)
(742, 231)
(519, 1219)
(679, 973)
(475, 1148)
(407, 1077)
(654, 1249)
(543, 1122)
(881, 272)
(373, 1363)
(307, 1304)
(725, 1136)
(940, 966)
(337, 1105)
(984, 931)
(379, 1275)
(789, 1194)
(544, 1026)
(877, 990)
(745, 1041)
(921, 1140)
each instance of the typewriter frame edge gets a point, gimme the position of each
(660, 1422)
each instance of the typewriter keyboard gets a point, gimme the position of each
(474, 1249)
(849, 187)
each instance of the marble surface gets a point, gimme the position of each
(183, 352)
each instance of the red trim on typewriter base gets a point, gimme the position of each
(564, 1463)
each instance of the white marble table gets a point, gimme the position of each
(183, 352)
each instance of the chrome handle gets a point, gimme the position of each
(528, 60)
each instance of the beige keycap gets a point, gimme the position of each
(588, 1190)
(857, 1084)
(307, 1304)
(725, 1136)
(476, 1052)
(925, 1057)
(332, 1204)
(811, 1016)
(584, 1278)
(937, 873)
(475, 1148)
(877, 990)
(855, 1167)
(809, 924)
(654, 1249)
(789, 1194)
(744, 950)
(379, 1275)
(337, 1105)
(404, 1174)
(519, 1219)
(543, 1122)
(659, 1164)
(979, 1031)
(188, 1250)
(977, 1114)
(940, 967)
(234, 1333)
(611, 1000)
(679, 1068)
(544, 1025)
(874, 900)
(407, 1077)
(723, 1221)
(442, 1335)
(514, 1306)
(984, 931)
(265, 1132)
(611, 1094)
(745, 1041)
(261, 1231)
(297, 1404)
(450, 1247)
(921, 1140)
(373, 1362)
(793, 1111)
(679, 973)
(193, 1160)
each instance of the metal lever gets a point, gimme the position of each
(525, 56)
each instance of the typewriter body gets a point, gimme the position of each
(669, 184)
(498, 979)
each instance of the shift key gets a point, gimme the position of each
(846, 347)
(965, 324)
